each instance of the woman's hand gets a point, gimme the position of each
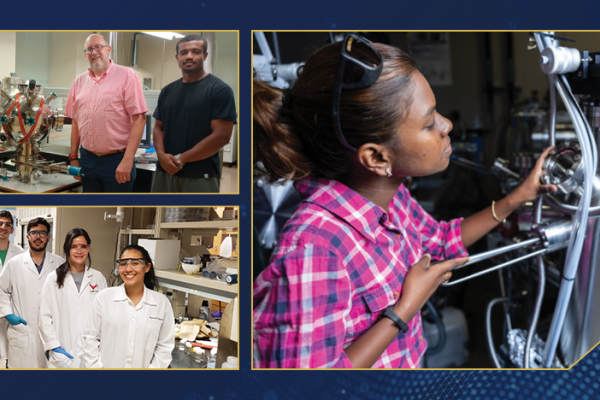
(420, 283)
(532, 188)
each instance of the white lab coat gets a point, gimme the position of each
(122, 335)
(12, 251)
(20, 287)
(65, 313)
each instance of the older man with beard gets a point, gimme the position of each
(21, 282)
(108, 109)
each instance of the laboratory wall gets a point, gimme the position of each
(56, 58)
(34, 62)
(102, 231)
(225, 64)
(8, 49)
(157, 56)
(67, 60)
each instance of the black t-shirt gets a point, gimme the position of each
(186, 110)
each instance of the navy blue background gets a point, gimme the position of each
(581, 382)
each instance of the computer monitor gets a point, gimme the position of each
(146, 142)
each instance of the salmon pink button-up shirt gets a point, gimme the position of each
(103, 107)
(339, 263)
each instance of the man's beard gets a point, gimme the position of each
(32, 244)
(98, 65)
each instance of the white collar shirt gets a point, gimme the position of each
(124, 335)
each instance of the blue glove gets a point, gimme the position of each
(62, 351)
(14, 320)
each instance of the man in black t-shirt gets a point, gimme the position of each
(194, 120)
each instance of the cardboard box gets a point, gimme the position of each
(164, 253)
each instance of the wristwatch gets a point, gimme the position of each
(178, 158)
(389, 313)
(73, 157)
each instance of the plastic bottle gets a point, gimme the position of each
(204, 311)
(231, 363)
(212, 358)
(214, 271)
(198, 355)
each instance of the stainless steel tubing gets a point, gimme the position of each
(488, 330)
(501, 250)
(492, 253)
(495, 268)
(540, 289)
(590, 156)
(579, 224)
(556, 236)
(503, 293)
(567, 208)
(552, 113)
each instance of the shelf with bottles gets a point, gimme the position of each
(197, 285)
(197, 218)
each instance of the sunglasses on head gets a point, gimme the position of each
(359, 66)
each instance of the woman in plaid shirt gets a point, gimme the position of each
(358, 247)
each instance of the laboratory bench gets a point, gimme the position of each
(185, 358)
(48, 183)
(144, 169)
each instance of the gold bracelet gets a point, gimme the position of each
(494, 214)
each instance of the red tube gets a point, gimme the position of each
(37, 117)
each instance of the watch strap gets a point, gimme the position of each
(73, 157)
(389, 313)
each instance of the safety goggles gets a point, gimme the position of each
(42, 234)
(7, 224)
(135, 263)
(80, 247)
(359, 66)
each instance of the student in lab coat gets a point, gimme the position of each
(67, 299)
(7, 251)
(21, 282)
(132, 326)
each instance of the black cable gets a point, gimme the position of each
(441, 331)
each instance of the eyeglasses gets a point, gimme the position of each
(135, 263)
(6, 224)
(42, 234)
(97, 49)
(359, 66)
(80, 247)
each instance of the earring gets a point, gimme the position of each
(388, 172)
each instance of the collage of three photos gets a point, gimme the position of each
(420, 200)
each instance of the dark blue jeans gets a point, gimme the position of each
(100, 173)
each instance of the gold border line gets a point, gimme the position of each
(237, 221)
(152, 193)
(266, 262)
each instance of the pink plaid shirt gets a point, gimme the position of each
(339, 263)
(103, 107)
